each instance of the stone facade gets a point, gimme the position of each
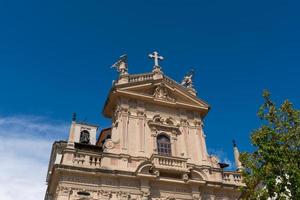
(155, 148)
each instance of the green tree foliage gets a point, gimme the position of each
(272, 171)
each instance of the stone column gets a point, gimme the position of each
(185, 136)
(174, 145)
(141, 130)
(202, 153)
(125, 122)
(71, 139)
(154, 139)
(203, 144)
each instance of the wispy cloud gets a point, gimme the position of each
(25, 144)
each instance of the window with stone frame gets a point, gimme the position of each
(164, 145)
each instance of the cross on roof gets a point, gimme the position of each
(156, 57)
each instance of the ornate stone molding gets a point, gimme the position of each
(161, 92)
(159, 123)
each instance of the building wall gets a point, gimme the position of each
(72, 186)
(132, 135)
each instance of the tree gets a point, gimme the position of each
(272, 170)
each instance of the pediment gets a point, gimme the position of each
(165, 91)
(162, 91)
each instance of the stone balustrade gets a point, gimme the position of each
(232, 177)
(140, 77)
(86, 160)
(169, 163)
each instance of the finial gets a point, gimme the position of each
(121, 65)
(188, 79)
(234, 143)
(156, 57)
(73, 116)
(236, 154)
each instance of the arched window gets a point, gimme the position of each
(163, 145)
(85, 137)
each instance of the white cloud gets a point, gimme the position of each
(25, 144)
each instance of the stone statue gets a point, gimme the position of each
(188, 79)
(121, 65)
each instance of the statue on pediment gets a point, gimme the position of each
(121, 65)
(188, 79)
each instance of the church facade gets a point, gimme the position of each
(155, 148)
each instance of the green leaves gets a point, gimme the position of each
(272, 170)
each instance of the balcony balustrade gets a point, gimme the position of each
(161, 162)
(232, 178)
(86, 160)
(140, 77)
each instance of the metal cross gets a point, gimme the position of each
(156, 57)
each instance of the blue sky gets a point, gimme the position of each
(55, 59)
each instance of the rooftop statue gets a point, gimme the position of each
(188, 79)
(121, 65)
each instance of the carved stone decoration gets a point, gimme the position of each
(123, 195)
(105, 195)
(214, 161)
(185, 177)
(161, 124)
(156, 173)
(171, 198)
(109, 144)
(196, 197)
(63, 190)
(161, 92)
(145, 195)
(198, 123)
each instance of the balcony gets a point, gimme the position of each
(232, 178)
(86, 160)
(165, 163)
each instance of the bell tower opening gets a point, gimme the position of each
(85, 137)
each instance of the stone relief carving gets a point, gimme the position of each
(184, 122)
(123, 195)
(170, 198)
(105, 195)
(162, 124)
(63, 190)
(109, 144)
(196, 197)
(145, 195)
(214, 160)
(161, 92)
(185, 177)
(141, 113)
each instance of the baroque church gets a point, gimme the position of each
(155, 148)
